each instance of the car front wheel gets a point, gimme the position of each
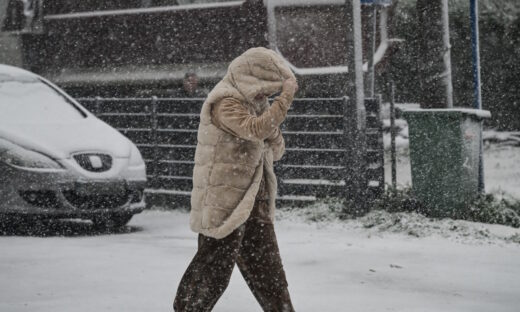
(111, 221)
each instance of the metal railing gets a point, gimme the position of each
(326, 155)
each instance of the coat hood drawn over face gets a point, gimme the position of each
(258, 70)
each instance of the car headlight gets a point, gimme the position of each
(136, 159)
(17, 156)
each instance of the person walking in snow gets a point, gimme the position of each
(234, 185)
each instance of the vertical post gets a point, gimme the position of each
(477, 100)
(447, 53)
(354, 113)
(353, 87)
(355, 162)
(155, 146)
(371, 65)
(392, 138)
(475, 49)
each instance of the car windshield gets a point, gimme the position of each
(29, 99)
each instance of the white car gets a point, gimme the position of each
(58, 160)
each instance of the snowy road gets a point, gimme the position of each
(330, 267)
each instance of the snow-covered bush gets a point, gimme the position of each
(489, 208)
(495, 209)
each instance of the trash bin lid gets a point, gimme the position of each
(448, 112)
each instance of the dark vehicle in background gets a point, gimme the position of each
(57, 160)
(118, 47)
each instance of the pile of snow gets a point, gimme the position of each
(417, 225)
(381, 223)
(401, 138)
(502, 137)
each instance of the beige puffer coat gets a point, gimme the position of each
(230, 159)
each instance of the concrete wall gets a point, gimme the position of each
(10, 43)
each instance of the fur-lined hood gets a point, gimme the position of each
(258, 70)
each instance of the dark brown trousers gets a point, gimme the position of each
(253, 247)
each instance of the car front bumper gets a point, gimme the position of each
(60, 194)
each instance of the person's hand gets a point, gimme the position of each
(290, 86)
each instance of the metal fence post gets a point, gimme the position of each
(393, 133)
(477, 92)
(347, 129)
(155, 145)
(375, 174)
(97, 104)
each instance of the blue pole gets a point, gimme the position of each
(475, 48)
(477, 96)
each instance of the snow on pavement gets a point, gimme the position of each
(331, 266)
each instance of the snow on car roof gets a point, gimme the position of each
(8, 72)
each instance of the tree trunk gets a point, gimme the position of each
(434, 58)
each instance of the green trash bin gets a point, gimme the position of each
(444, 155)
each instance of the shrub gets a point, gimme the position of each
(488, 208)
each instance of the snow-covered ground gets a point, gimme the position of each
(381, 262)
(360, 265)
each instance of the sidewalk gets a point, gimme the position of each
(330, 266)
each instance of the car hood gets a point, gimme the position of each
(60, 139)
